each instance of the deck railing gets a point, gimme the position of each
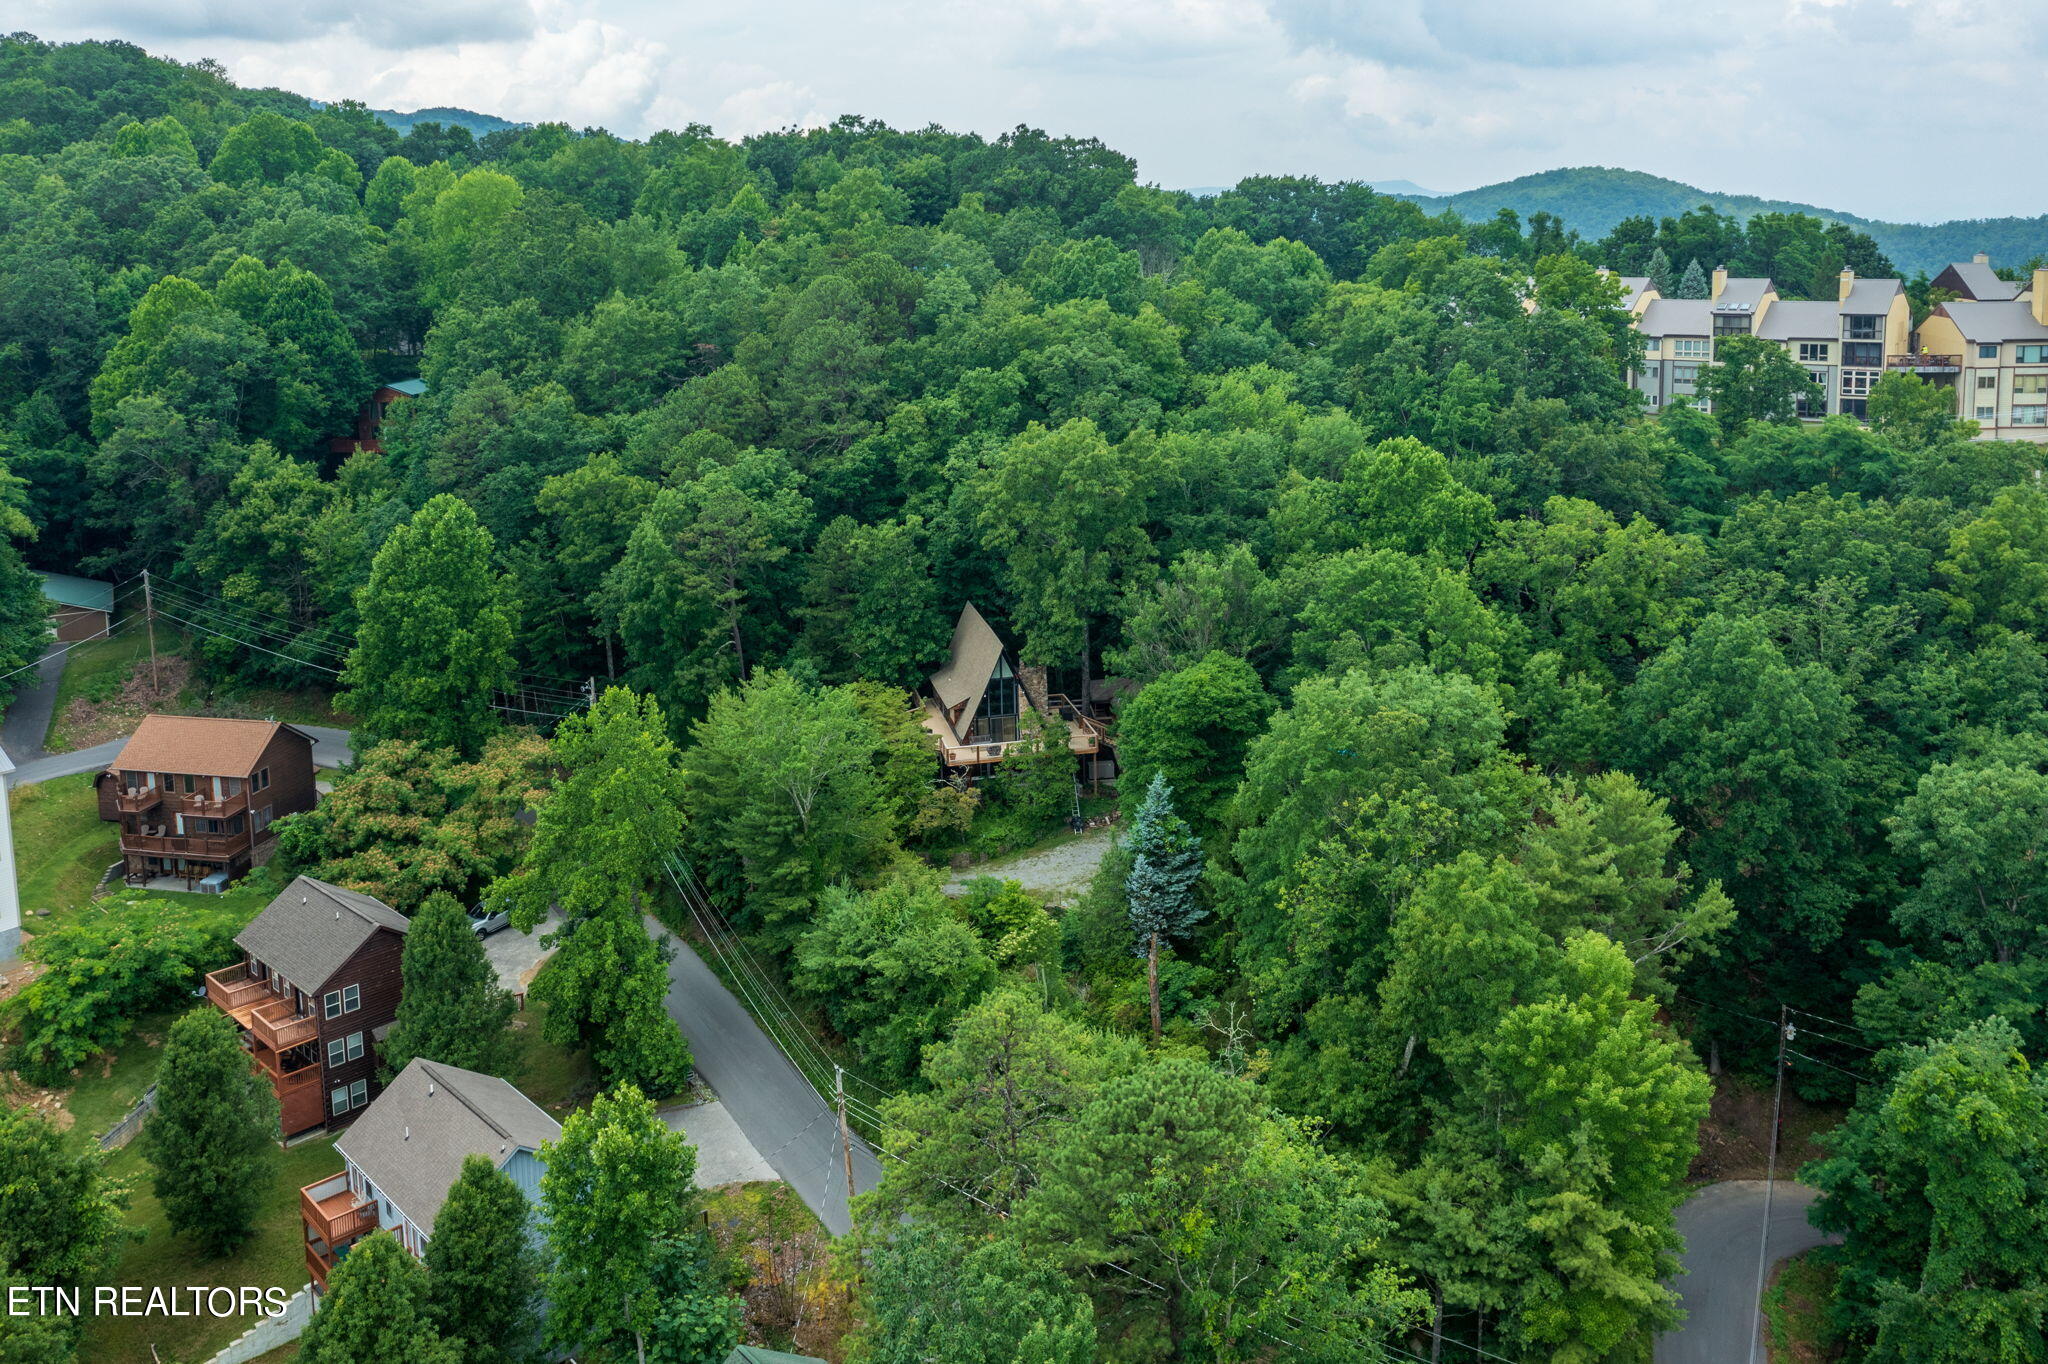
(234, 988)
(280, 1026)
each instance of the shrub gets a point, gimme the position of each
(104, 973)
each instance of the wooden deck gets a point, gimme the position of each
(1084, 737)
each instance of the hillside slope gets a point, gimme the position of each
(1593, 199)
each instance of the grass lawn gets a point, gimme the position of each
(556, 1079)
(273, 1256)
(114, 1081)
(62, 847)
(1796, 1311)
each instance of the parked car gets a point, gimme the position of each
(488, 921)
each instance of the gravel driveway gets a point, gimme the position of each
(1060, 873)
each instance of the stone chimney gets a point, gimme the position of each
(2041, 294)
(1980, 259)
(1720, 280)
(1848, 283)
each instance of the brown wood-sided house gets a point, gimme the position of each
(195, 796)
(316, 992)
(371, 416)
(979, 700)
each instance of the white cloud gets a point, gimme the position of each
(1855, 104)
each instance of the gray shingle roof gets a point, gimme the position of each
(1982, 323)
(969, 664)
(1678, 317)
(1745, 291)
(1982, 284)
(1868, 296)
(311, 930)
(1799, 320)
(412, 1140)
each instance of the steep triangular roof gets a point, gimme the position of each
(970, 663)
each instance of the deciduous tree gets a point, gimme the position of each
(435, 636)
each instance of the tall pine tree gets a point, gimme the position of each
(452, 1009)
(1659, 271)
(1166, 862)
(212, 1137)
(1693, 284)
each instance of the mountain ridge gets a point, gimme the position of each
(1592, 199)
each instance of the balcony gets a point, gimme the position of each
(320, 1262)
(286, 1076)
(280, 1027)
(235, 989)
(164, 843)
(333, 1213)
(138, 800)
(1925, 362)
(206, 807)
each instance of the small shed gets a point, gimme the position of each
(755, 1354)
(80, 608)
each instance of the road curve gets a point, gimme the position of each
(1722, 1225)
(330, 749)
(786, 1120)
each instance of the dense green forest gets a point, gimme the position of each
(1520, 755)
(1594, 199)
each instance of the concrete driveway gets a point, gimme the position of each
(516, 956)
(724, 1155)
(1722, 1225)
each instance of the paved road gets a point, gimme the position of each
(330, 749)
(792, 1128)
(28, 714)
(1721, 1225)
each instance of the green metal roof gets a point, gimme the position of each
(411, 388)
(754, 1354)
(86, 593)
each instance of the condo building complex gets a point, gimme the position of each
(1990, 344)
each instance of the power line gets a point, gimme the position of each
(44, 657)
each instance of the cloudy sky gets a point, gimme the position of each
(1909, 109)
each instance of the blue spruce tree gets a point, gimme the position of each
(1166, 862)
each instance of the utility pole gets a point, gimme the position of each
(846, 1153)
(149, 616)
(1786, 1032)
(845, 1134)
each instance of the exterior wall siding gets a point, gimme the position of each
(375, 971)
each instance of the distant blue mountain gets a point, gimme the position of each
(479, 124)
